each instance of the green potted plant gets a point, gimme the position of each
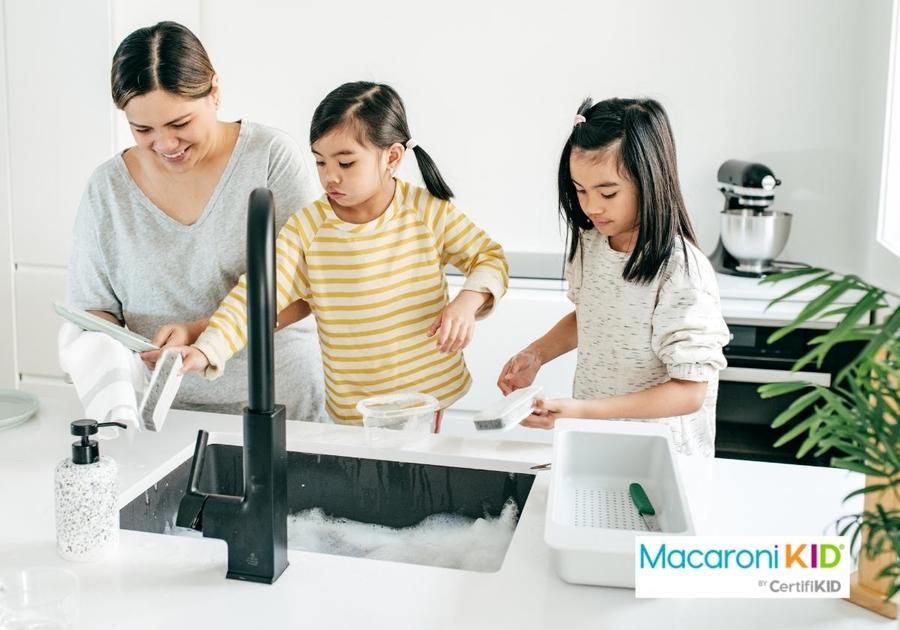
(856, 418)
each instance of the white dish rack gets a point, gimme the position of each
(591, 521)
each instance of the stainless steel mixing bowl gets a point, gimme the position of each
(755, 238)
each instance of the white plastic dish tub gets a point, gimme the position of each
(591, 522)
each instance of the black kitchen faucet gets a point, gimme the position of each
(254, 525)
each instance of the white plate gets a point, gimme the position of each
(87, 321)
(16, 407)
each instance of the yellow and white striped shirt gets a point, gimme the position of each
(374, 288)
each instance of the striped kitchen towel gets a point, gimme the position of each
(108, 377)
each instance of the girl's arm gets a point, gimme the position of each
(559, 340)
(173, 335)
(226, 333)
(292, 314)
(675, 397)
(468, 248)
(521, 369)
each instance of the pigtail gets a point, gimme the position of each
(431, 175)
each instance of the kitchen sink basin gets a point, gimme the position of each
(381, 492)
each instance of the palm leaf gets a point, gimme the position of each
(809, 424)
(794, 273)
(796, 407)
(888, 332)
(770, 390)
(857, 415)
(856, 467)
(842, 331)
(809, 284)
(878, 487)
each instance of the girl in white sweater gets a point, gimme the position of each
(647, 322)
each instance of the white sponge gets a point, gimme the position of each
(507, 412)
(160, 392)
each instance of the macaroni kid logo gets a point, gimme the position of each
(741, 566)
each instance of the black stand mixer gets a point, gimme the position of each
(751, 234)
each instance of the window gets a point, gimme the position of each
(889, 209)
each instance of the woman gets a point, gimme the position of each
(160, 232)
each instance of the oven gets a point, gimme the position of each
(743, 418)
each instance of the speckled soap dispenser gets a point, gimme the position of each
(87, 518)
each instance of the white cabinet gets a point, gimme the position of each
(36, 321)
(60, 126)
(59, 111)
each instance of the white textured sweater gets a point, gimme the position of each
(632, 337)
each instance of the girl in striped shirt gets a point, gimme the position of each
(367, 260)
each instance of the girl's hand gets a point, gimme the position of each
(545, 413)
(519, 372)
(167, 337)
(455, 326)
(192, 359)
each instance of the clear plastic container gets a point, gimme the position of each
(405, 411)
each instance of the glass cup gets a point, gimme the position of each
(38, 599)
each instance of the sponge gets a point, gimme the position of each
(160, 393)
(508, 412)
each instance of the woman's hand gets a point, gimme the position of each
(519, 371)
(173, 336)
(455, 326)
(167, 337)
(545, 413)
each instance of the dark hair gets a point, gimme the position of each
(166, 56)
(646, 153)
(377, 112)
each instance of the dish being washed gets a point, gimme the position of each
(87, 321)
(507, 412)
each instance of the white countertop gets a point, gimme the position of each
(155, 581)
(746, 301)
(743, 300)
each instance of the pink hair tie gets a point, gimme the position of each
(411, 144)
(579, 119)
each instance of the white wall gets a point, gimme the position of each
(491, 88)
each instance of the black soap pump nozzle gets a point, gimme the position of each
(87, 451)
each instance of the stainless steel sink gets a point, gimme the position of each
(390, 493)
